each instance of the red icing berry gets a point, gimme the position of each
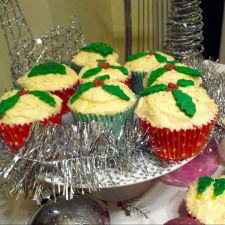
(151, 53)
(105, 65)
(169, 67)
(98, 83)
(23, 92)
(171, 86)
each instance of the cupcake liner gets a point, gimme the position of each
(65, 94)
(75, 67)
(114, 122)
(15, 136)
(137, 82)
(179, 144)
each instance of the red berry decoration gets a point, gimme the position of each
(171, 86)
(98, 83)
(105, 65)
(151, 53)
(169, 67)
(23, 92)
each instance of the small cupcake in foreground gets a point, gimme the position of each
(53, 77)
(92, 52)
(20, 108)
(103, 101)
(102, 67)
(205, 200)
(171, 72)
(178, 117)
(142, 63)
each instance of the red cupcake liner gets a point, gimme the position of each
(65, 94)
(179, 144)
(15, 136)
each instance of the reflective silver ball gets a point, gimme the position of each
(80, 210)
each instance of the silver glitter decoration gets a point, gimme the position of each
(77, 157)
(79, 210)
(184, 30)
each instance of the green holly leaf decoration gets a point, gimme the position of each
(188, 71)
(136, 56)
(173, 62)
(92, 72)
(44, 96)
(8, 103)
(122, 69)
(203, 183)
(155, 74)
(98, 47)
(184, 102)
(103, 77)
(83, 88)
(185, 83)
(115, 90)
(47, 68)
(154, 89)
(160, 58)
(219, 186)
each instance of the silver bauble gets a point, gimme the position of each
(79, 210)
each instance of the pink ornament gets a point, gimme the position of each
(205, 164)
(183, 221)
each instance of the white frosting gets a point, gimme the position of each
(206, 208)
(161, 111)
(99, 102)
(171, 76)
(115, 74)
(49, 82)
(146, 63)
(29, 108)
(83, 58)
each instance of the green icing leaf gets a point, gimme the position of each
(160, 58)
(136, 56)
(184, 102)
(92, 72)
(104, 77)
(115, 90)
(8, 103)
(219, 186)
(185, 83)
(45, 97)
(188, 71)
(101, 60)
(154, 89)
(155, 74)
(203, 183)
(170, 63)
(83, 88)
(98, 47)
(121, 68)
(47, 68)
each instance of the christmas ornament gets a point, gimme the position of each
(183, 221)
(184, 30)
(79, 210)
(206, 163)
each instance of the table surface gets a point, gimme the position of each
(163, 201)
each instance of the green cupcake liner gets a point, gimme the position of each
(114, 122)
(75, 67)
(137, 82)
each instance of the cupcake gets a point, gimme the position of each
(178, 117)
(205, 200)
(142, 63)
(102, 67)
(20, 108)
(104, 101)
(171, 72)
(53, 77)
(92, 52)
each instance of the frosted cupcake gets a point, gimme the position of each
(102, 67)
(142, 63)
(205, 200)
(53, 77)
(179, 118)
(92, 52)
(171, 72)
(103, 101)
(20, 108)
